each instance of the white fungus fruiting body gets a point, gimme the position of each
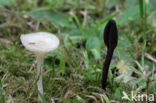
(40, 43)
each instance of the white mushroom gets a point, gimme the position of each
(40, 43)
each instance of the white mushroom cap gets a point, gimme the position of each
(40, 42)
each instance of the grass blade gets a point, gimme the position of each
(42, 97)
(2, 95)
(141, 4)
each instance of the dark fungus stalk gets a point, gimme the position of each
(110, 40)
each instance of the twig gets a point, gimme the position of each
(85, 14)
(37, 25)
(85, 17)
(45, 26)
(142, 69)
(148, 56)
(92, 97)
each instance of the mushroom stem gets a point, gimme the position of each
(106, 67)
(40, 59)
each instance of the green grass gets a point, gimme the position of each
(72, 73)
(2, 93)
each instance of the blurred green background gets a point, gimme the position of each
(72, 74)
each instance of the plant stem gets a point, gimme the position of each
(147, 85)
(40, 58)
